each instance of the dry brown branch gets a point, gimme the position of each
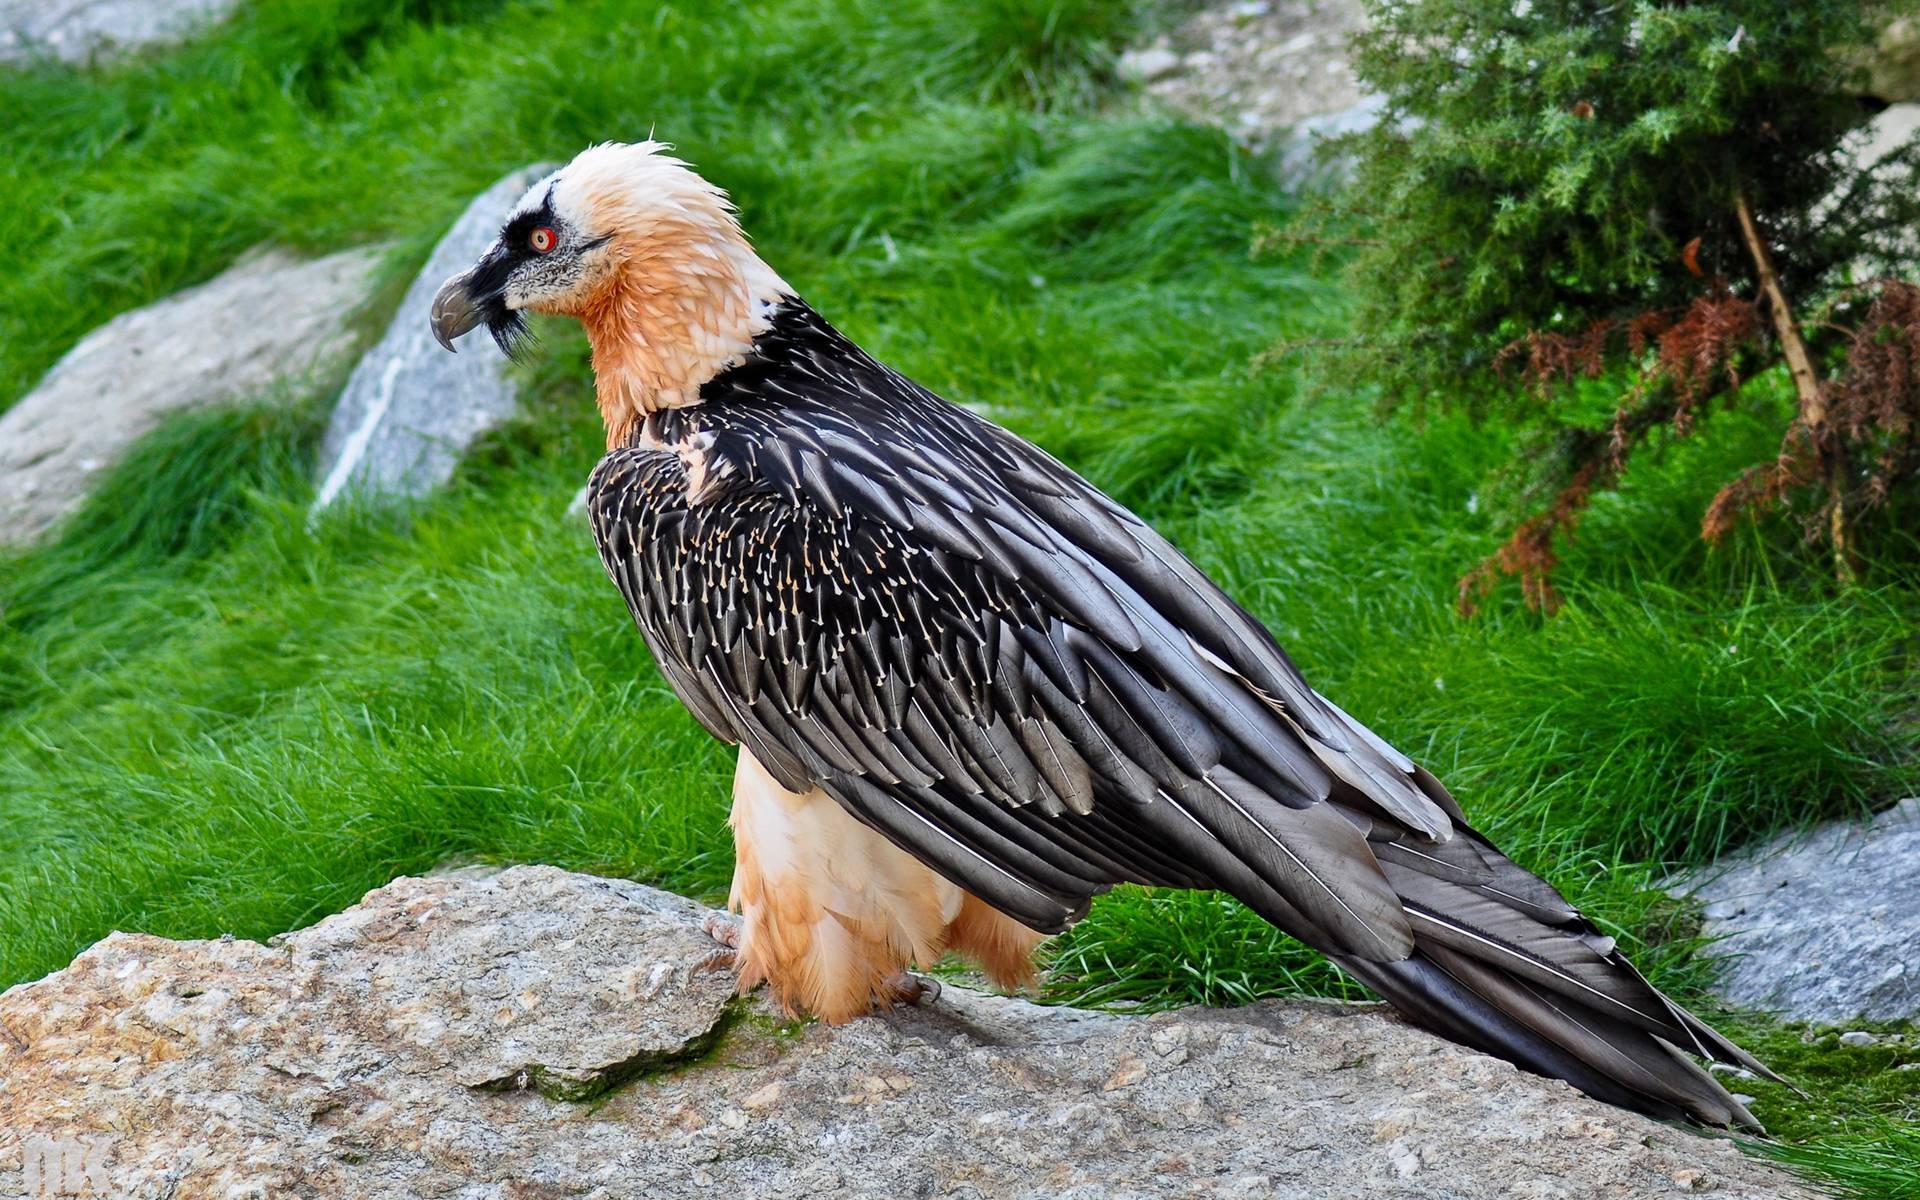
(1830, 455)
(1763, 485)
(1528, 553)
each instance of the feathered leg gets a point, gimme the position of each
(833, 913)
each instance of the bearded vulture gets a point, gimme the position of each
(971, 692)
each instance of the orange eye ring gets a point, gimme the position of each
(543, 239)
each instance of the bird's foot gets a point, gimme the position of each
(723, 929)
(726, 931)
(919, 990)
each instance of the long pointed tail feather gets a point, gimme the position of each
(1502, 963)
(1506, 1017)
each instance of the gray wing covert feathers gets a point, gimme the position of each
(984, 658)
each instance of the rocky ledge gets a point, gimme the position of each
(534, 1033)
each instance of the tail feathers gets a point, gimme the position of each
(1644, 1064)
(1504, 964)
(1499, 960)
(1506, 1017)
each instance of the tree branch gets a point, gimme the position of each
(1806, 383)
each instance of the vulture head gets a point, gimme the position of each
(645, 254)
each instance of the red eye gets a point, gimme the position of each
(543, 239)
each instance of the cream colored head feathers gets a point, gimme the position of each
(647, 255)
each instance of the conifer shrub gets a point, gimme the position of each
(1600, 220)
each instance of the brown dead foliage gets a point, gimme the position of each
(1764, 485)
(1876, 403)
(1703, 348)
(1870, 441)
(1872, 435)
(1529, 554)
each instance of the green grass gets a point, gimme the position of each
(1858, 1129)
(215, 717)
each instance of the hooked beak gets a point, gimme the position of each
(456, 310)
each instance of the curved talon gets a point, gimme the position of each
(920, 990)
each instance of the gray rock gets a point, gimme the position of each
(428, 1041)
(1148, 63)
(1275, 75)
(1890, 129)
(1893, 63)
(1301, 160)
(1821, 926)
(80, 31)
(577, 507)
(1857, 1038)
(272, 325)
(410, 408)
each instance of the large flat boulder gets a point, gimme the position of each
(1891, 128)
(270, 326)
(410, 409)
(533, 1033)
(1820, 926)
(81, 31)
